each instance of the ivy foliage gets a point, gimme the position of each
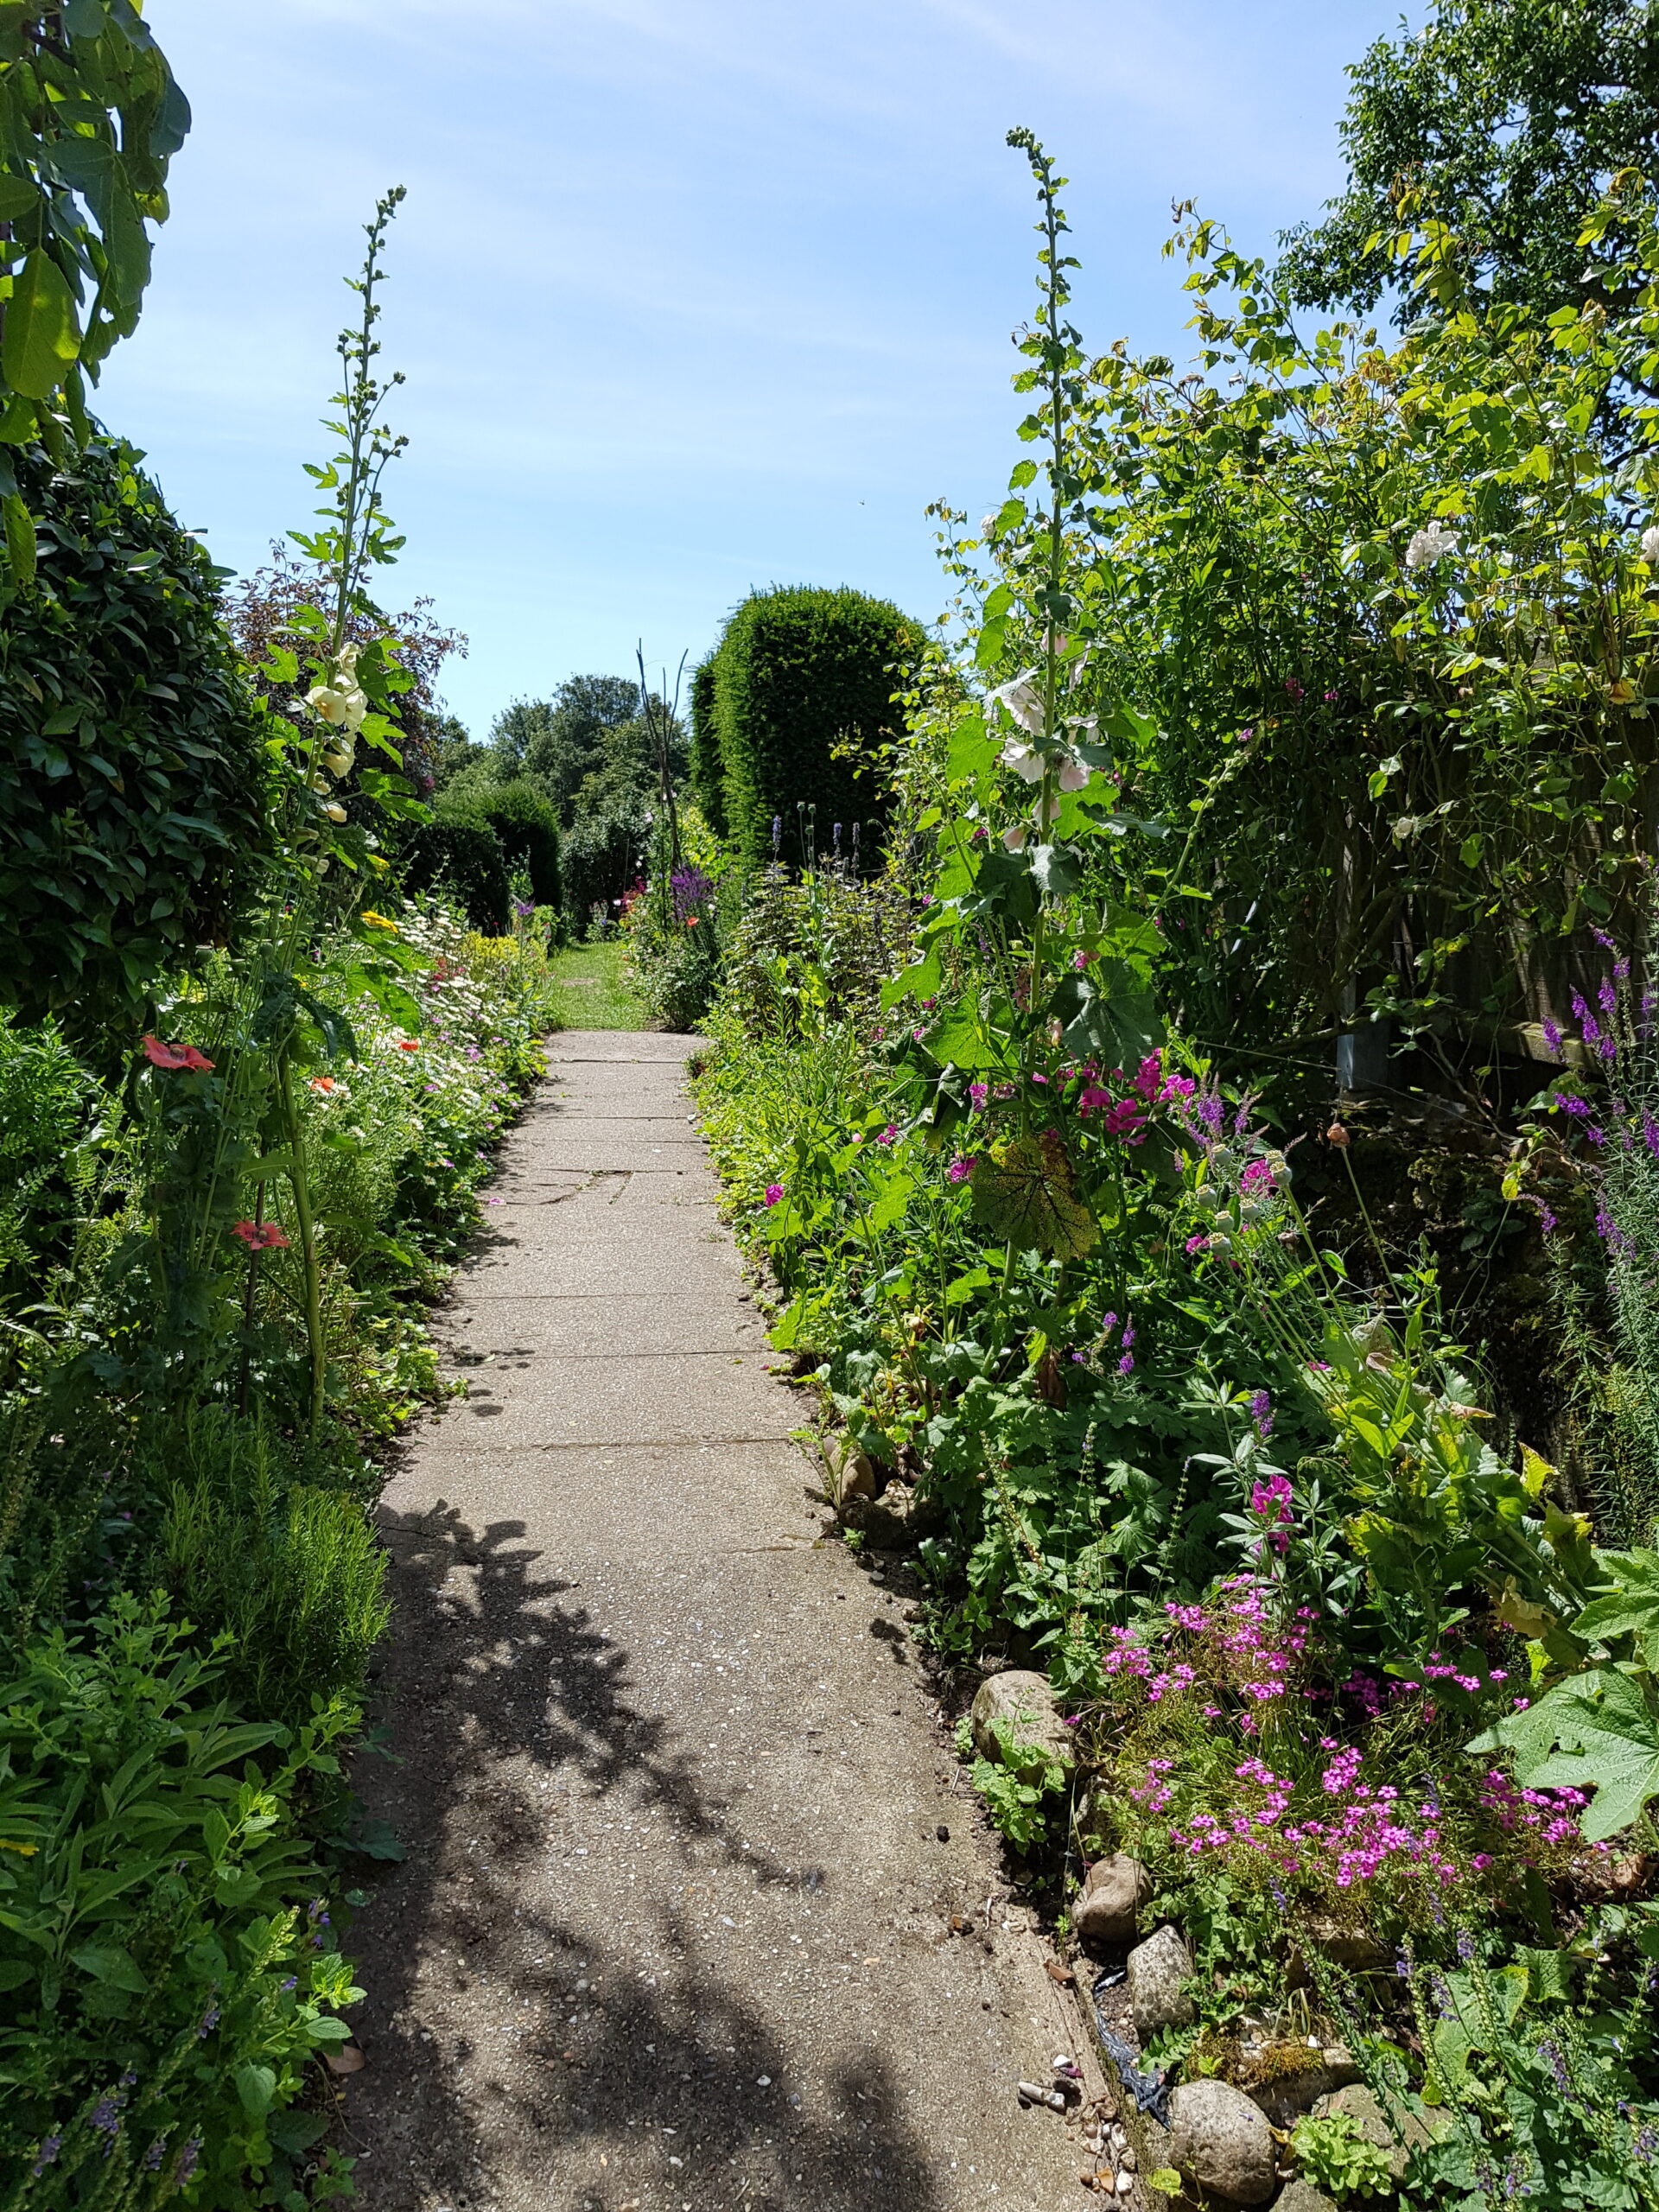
(130, 757)
(803, 680)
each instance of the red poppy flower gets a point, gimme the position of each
(408, 1045)
(261, 1236)
(325, 1084)
(174, 1056)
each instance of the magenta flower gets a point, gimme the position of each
(961, 1168)
(774, 1191)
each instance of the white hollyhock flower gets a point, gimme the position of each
(1024, 760)
(987, 526)
(1430, 544)
(1074, 777)
(1651, 545)
(1022, 702)
(1014, 837)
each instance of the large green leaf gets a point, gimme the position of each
(42, 334)
(1025, 1194)
(1595, 1731)
(1632, 1609)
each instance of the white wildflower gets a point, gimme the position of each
(1430, 544)
(1025, 761)
(1651, 545)
(1022, 702)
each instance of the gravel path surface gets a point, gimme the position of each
(686, 1836)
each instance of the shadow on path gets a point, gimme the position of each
(554, 2057)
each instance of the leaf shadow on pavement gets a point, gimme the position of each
(490, 2078)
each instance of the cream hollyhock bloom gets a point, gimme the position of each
(1651, 545)
(1023, 703)
(1074, 777)
(1430, 544)
(1024, 760)
(1014, 837)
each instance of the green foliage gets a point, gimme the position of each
(527, 825)
(1015, 1786)
(708, 770)
(1506, 119)
(130, 767)
(583, 747)
(460, 852)
(604, 857)
(91, 118)
(804, 681)
(164, 1988)
(1338, 2158)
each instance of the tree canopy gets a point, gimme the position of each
(1507, 119)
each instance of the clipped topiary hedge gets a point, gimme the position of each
(131, 814)
(459, 851)
(527, 823)
(799, 671)
(708, 776)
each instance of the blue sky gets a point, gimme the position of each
(691, 295)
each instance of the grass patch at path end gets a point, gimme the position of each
(591, 991)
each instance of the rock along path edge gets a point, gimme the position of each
(674, 1926)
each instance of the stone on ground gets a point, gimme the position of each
(1220, 2142)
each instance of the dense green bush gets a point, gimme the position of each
(527, 824)
(803, 685)
(131, 762)
(459, 850)
(164, 1981)
(708, 776)
(603, 856)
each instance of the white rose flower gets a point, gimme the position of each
(1430, 544)
(1023, 703)
(1651, 545)
(1024, 760)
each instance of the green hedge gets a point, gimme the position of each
(527, 823)
(605, 853)
(708, 776)
(459, 851)
(799, 672)
(131, 816)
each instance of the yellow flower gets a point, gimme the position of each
(379, 921)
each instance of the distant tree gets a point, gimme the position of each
(557, 742)
(1507, 119)
(453, 750)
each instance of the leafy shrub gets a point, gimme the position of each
(130, 765)
(527, 824)
(288, 1572)
(602, 856)
(708, 774)
(165, 1986)
(459, 850)
(800, 674)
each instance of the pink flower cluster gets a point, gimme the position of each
(1127, 1117)
(1371, 1831)
(1549, 1812)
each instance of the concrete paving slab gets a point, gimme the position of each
(680, 1928)
(598, 1327)
(527, 1397)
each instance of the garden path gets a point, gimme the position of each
(684, 1834)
